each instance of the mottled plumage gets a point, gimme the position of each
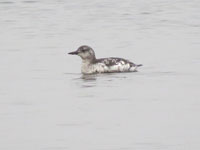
(92, 65)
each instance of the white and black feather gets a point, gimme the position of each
(92, 65)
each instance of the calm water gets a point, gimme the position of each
(45, 102)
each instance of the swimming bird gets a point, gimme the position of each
(91, 65)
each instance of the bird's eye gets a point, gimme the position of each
(83, 50)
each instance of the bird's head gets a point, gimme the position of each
(85, 52)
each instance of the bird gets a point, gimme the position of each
(92, 65)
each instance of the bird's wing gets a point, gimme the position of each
(115, 61)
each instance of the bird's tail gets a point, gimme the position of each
(139, 65)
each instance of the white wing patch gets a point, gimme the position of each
(109, 66)
(120, 66)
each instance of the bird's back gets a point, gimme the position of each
(109, 65)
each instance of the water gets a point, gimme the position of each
(45, 102)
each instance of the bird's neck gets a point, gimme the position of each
(89, 61)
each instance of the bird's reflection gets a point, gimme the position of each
(93, 80)
(89, 77)
(88, 81)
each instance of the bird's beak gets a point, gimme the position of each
(73, 53)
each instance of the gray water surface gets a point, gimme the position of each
(47, 104)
